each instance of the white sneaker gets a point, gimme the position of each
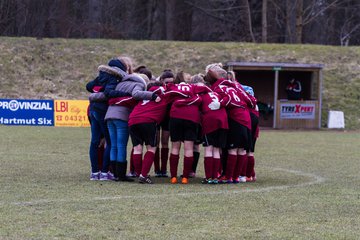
(132, 174)
(242, 179)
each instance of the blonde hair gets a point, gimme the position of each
(220, 71)
(143, 76)
(213, 65)
(128, 62)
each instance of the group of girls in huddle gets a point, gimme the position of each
(211, 109)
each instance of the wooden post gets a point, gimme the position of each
(320, 96)
(275, 97)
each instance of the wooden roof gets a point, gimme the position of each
(273, 66)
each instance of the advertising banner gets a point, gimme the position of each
(297, 110)
(27, 112)
(71, 113)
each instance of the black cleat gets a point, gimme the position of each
(146, 180)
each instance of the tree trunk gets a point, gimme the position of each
(264, 22)
(157, 27)
(299, 20)
(290, 20)
(22, 15)
(248, 13)
(94, 18)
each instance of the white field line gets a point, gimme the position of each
(316, 180)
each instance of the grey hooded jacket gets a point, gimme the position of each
(134, 85)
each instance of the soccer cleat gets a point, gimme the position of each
(94, 176)
(173, 180)
(242, 179)
(249, 179)
(192, 174)
(223, 179)
(184, 180)
(158, 174)
(205, 181)
(236, 180)
(146, 180)
(230, 180)
(132, 175)
(164, 174)
(215, 181)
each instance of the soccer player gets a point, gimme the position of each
(249, 103)
(160, 165)
(214, 128)
(249, 171)
(238, 120)
(117, 117)
(184, 121)
(143, 122)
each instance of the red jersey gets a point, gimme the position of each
(186, 108)
(237, 109)
(246, 97)
(256, 109)
(128, 102)
(247, 100)
(214, 115)
(150, 111)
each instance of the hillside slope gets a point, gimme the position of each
(60, 68)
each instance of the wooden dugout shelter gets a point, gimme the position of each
(269, 81)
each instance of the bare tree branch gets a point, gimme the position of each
(312, 16)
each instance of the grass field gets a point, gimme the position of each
(308, 188)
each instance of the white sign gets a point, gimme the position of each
(297, 111)
(336, 119)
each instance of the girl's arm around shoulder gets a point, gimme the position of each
(138, 93)
(111, 92)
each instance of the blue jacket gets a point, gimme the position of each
(106, 81)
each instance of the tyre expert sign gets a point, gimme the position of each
(297, 111)
(27, 112)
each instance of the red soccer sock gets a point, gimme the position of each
(250, 166)
(188, 162)
(156, 161)
(215, 169)
(208, 166)
(243, 164)
(237, 168)
(147, 162)
(137, 158)
(164, 159)
(132, 167)
(230, 166)
(174, 162)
